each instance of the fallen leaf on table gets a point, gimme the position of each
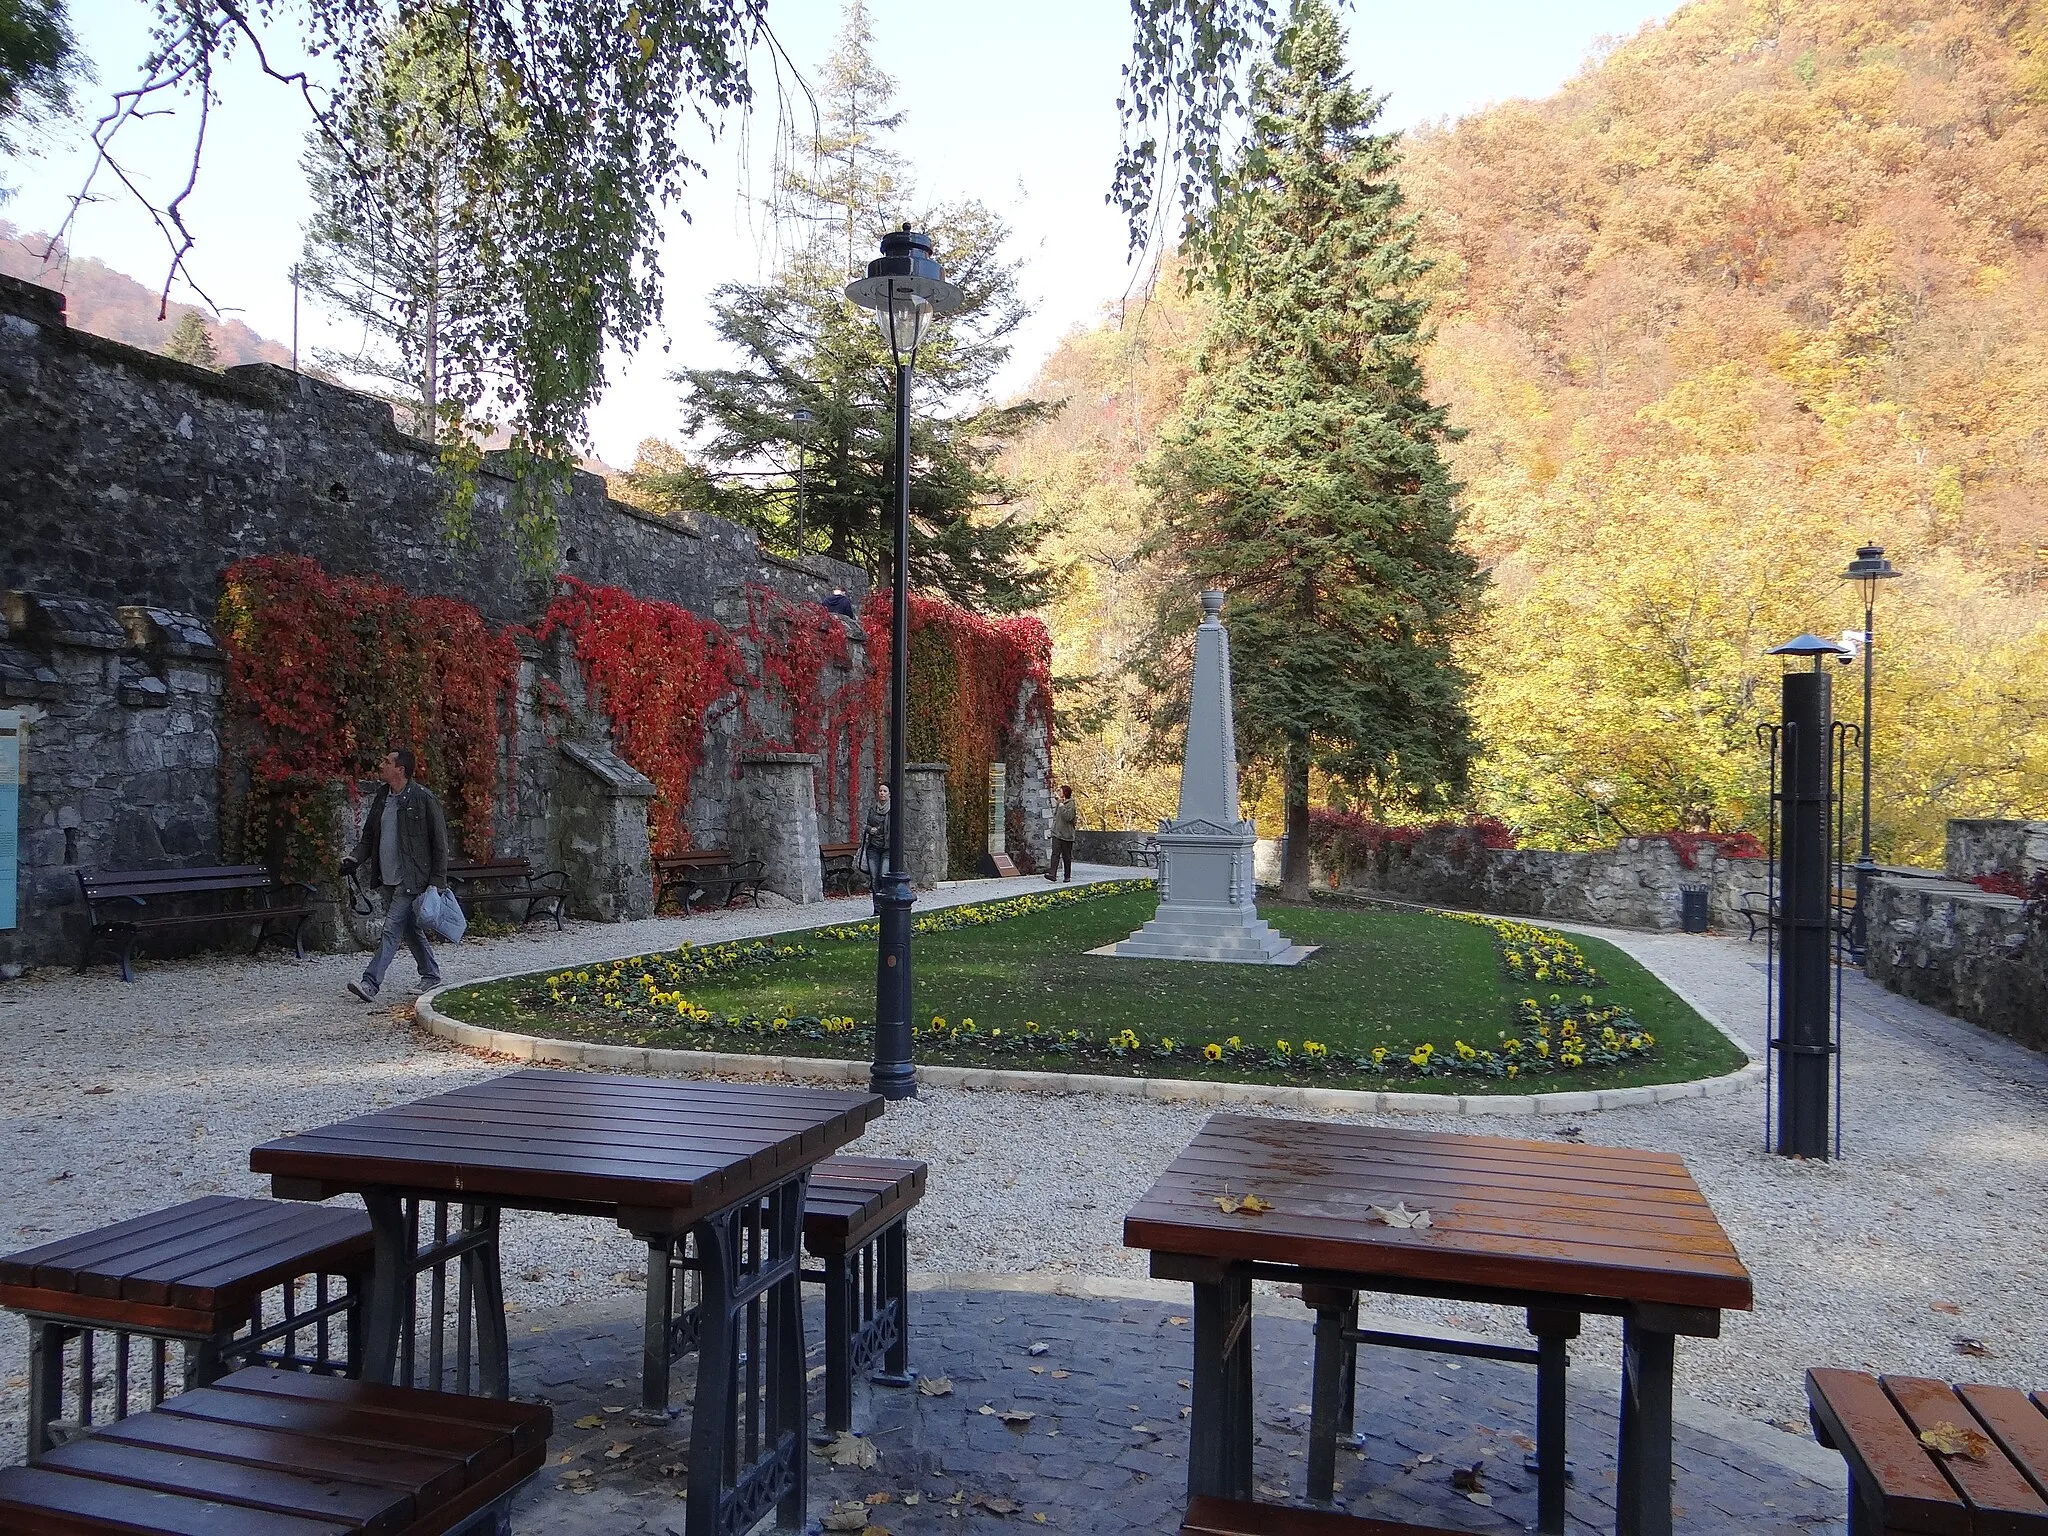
(935, 1386)
(848, 1450)
(1945, 1306)
(1954, 1440)
(1976, 1348)
(590, 1421)
(1398, 1215)
(1040, 1348)
(1240, 1205)
(850, 1516)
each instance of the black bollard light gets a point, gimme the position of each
(1804, 1042)
(905, 290)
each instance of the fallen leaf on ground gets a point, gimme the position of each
(617, 1449)
(1954, 1440)
(880, 1498)
(1523, 1441)
(1014, 1417)
(590, 1421)
(850, 1516)
(1177, 1321)
(848, 1450)
(1398, 1215)
(101, 1089)
(935, 1386)
(609, 1408)
(1061, 1375)
(1976, 1348)
(674, 1469)
(1946, 1306)
(996, 1505)
(1040, 1348)
(1470, 1479)
(1038, 1370)
(913, 1499)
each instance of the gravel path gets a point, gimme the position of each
(1934, 1227)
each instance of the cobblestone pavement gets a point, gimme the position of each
(1105, 1452)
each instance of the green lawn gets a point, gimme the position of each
(1388, 979)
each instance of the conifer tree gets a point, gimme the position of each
(191, 342)
(1304, 475)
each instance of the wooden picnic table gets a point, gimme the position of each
(1556, 1229)
(722, 1165)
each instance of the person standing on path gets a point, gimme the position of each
(405, 848)
(874, 842)
(1063, 834)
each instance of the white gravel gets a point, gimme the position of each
(1939, 1203)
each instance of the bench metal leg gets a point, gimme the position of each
(1220, 1429)
(893, 1249)
(1643, 1494)
(656, 1348)
(45, 1384)
(842, 1307)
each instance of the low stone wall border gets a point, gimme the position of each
(1175, 1090)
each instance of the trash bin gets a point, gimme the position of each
(1692, 908)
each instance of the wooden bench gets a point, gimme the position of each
(854, 1215)
(125, 906)
(706, 878)
(1147, 853)
(1899, 1484)
(841, 864)
(1208, 1516)
(854, 1219)
(1762, 911)
(509, 882)
(196, 1275)
(266, 1452)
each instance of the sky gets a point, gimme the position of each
(1010, 104)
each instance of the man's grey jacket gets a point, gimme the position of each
(422, 840)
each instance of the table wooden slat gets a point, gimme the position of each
(1885, 1456)
(2018, 1423)
(1504, 1213)
(582, 1138)
(369, 1511)
(35, 1502)
(2000, 1497)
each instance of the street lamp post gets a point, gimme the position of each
(1866, 571)
(905, 290)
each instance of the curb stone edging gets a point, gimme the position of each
(629, 1058)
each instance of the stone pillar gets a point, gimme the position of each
(601, 833)
(924, 827)
(778, 822)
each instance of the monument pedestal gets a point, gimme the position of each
(1207, 895)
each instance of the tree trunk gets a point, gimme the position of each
(1294, 874)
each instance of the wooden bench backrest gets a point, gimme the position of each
(473, 869)
(838, 850)
(697, 858)
(112, 884)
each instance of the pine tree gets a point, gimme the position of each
(386, 250)
(803, 347)
(1304, 474)
(191, 342)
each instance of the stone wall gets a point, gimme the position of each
(1949, 944)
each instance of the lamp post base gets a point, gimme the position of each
(894, 1074)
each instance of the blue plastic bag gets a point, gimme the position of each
(440, 913)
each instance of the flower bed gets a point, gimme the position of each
(766, 997)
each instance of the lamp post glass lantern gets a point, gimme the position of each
(1868, 569)
(906, 291)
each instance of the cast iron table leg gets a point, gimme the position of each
(1643, 1494)
(1220, 1429)
(487, 1295)
(655, 1355)
(1335, 1360)
(390, 1285)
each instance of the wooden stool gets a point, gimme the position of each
(266, 1452)
(1241, 1517)
(1899, 1484)
(194, 1274)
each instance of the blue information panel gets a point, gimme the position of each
(10, 813)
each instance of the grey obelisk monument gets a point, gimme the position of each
(1206, 894)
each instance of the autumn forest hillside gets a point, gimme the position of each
(1762, 283)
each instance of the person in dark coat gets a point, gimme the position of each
(874, 841)
(1063, 817)
(404, 847)
(840, 603)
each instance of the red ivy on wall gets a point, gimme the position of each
(657, 672)
(794, 706)
(327, 673)
(965, 675)
(1342, 839)
(1730, 845)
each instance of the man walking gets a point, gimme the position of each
(1063, 834)
(405, 848)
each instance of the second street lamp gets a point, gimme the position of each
(1866, 571)
(905, 290)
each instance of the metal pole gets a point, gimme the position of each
(892, 1075)
(1866, 867)
(1805, 917)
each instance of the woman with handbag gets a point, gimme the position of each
(874, 842)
